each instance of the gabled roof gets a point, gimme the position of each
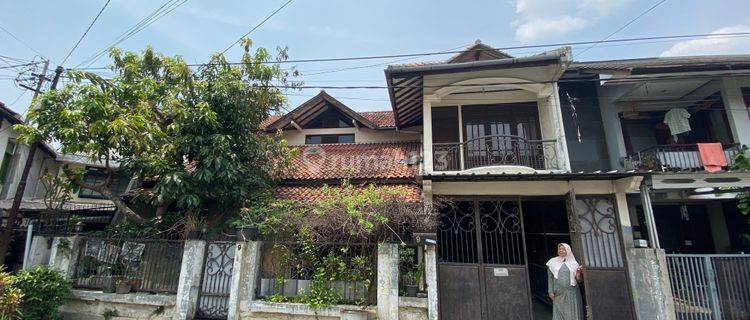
(15, 118)
(667, 64)
(382, 119)
(309, 110)
(477, 51)
(370, 161)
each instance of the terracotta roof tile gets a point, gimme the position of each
(265, 123)
(382, 119)
(411, 192)
(396, 160)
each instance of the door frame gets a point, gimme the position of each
(571, 198)
(481, 266)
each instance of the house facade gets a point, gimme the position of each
(533, 151)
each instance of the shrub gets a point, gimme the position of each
(10, 298)
(43, 292)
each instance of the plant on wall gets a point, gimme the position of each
(335, 239)
(742, 163)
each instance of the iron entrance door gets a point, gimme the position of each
(596, 237)
(482, 261)
(217, 274)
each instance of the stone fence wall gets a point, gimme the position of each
(242, 302)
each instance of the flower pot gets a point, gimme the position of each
(122, 286)
(195, 234)
(248, 233)
(412, 290)
(109, 283)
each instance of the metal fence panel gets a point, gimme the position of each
(148, 265)
(710, 286)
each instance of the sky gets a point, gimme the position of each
(340, 28)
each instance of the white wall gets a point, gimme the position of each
(361, 135)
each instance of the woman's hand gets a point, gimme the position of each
(579, 272)
(552, 296)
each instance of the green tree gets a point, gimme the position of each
(742, 163)
(195, 133)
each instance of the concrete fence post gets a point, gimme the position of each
(39, 252)
(430, 271)
(190, 277)
(64, 254)
(244, 277)
(649, 278)
(388, 281)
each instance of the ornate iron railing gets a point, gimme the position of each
(675, 157)
(147, 265)
(495, 150)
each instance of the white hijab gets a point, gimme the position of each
(569, 260)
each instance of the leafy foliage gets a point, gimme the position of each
(43, 292)
(742, 162)
(10, 298)
(194, 132)
(345, 213)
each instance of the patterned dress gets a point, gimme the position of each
(567, 304)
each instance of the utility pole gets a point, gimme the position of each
(5, 239)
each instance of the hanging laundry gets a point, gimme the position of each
(677, 120)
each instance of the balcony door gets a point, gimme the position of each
(499, 134)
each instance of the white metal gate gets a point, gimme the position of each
(217, 274)
(710, 286)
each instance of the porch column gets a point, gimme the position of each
(737, 111)
(39, 252)
(551, 123)
(612, 126)
(64, 254)
(188, 288)
(387, 281)
(430, 271)
(648, 212)
(649, 278)
(244, 278)
(427, 134)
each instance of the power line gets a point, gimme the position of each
(166, 8)
(258, 25)
(561, 44)
(625, 25)
(85, 33)
(21, 41)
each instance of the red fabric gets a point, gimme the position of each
(712, 156)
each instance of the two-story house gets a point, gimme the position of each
(496, 144)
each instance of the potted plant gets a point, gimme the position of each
(192, 226)
(122, 285)
(411, 283)
(116, 274)
(247, 232)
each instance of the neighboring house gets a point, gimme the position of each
(495, 142)
(691, 214)
(337, 143)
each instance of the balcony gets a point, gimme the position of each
(496, 150)
(675, 158)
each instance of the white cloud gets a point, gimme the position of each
(539, 28)
(711, 46)
(543, 19)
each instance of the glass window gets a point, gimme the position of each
(10, 151)
(98, 175)
(329, 138)
(445, 125)
(331, 118)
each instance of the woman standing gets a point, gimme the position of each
(563, 276)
